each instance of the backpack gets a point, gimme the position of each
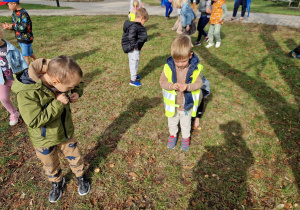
(202, 6)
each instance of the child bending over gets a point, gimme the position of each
(44, 104)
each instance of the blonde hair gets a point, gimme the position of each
(64, 68)
(177, 3)
(135, 4)
(181, 47)
(142, 12)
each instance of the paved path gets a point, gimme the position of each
(121, 7)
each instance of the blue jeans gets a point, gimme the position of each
(201, 25)
(169, 8)
(26, 49)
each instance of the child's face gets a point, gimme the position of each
(182, 63)
(12, 6)
(69, 85)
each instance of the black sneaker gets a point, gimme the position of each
(83, 185)
(197, 43)
(56, 190)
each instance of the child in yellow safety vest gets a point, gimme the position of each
(135, 6)
(181, 81)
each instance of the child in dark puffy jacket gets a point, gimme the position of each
(133, 38)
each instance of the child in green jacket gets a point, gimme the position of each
(45, 107)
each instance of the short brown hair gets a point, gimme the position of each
(142, 12)
(181, 47)
(64, 68)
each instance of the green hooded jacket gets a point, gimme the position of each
(49, 122)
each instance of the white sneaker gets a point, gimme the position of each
(218, 44)
(209, 45)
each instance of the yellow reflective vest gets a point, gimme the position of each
(132, 16)
(170, 95)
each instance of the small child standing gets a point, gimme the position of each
(135, 6)
(22, 26)
(181, 81)
(133, 39)
(45, 107)
(178, 25)
(11, 61)
(188, 18)
(169, 8)
(216, 20)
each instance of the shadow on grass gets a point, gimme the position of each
(291, 44)
(108, 141)
(153, 64)
(89, 76)
(152, 26)
(81, 55)
(152, 36)
(282, 116)
(221, 173)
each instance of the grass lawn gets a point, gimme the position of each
(36, 6)
(260, 6)
(244, 156)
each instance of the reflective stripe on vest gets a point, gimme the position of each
(170, 96)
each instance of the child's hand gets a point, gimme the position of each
(196, 123)
(220, 21)
(175, 86)
(74, 97)
(62, 98)
(7, 26)
(187, 28)
(183, 87)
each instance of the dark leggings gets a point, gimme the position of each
(237, 5)
(201, 25)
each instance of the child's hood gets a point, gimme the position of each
(194, 61)
(28, 79)
(127, 24)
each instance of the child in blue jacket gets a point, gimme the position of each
(11, 61)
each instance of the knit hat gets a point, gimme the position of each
(6, 1)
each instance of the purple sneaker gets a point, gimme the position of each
(185, 144)
(172, 142)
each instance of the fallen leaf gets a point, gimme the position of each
(111, 165)
(188, 167)
(97, 170)
(133, 174)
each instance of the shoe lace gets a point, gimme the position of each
(171, 139)
(186, 142)
(82, 182)
(55, 188)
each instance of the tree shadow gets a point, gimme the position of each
(153, 64)
(282, 116)
(221, 173)
(291, 44)
(81, 55)
(289, 72)
(108, 141)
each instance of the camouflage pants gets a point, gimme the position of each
(49, 157)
